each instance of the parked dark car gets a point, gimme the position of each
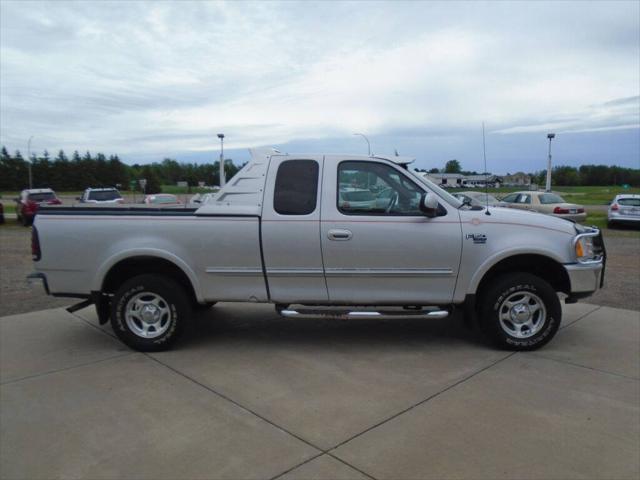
(1, 213)
(30, 199)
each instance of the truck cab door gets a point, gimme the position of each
(291, 230)
(378, 247)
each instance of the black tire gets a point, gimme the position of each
(25, 221)
(540, 325)
(173, 311)
(610, 225)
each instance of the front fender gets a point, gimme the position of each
(108, 264)
(503, 254)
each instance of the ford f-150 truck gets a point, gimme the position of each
(288, 230)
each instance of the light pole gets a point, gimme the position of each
(222, 179)
(367, 140)
(29, 161)
(550, 136)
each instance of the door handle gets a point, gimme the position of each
(340, 235)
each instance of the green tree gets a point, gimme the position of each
(452, 166)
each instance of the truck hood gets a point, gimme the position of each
(518, 218)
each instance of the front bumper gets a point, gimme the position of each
(585, 278)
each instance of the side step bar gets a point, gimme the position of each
(343, 314)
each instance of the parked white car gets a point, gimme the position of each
(104, 196)
(625, 209)
(280, 232)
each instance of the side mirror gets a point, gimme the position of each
(429, 205)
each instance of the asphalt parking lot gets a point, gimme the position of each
(251, 395)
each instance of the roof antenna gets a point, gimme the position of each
(486, 183)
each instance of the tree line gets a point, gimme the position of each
(80, 171)
(565, 176)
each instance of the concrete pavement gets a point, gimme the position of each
(251, 395)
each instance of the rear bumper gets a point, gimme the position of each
(628, 219)
(41, 277)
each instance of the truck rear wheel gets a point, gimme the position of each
(149, 312)
(520, 312)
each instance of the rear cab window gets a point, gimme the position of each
(296, 187)
(104, 195)
(42, 197)
(548, 198)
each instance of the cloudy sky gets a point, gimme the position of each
(148, 80)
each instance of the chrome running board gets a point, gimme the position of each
(344, 313)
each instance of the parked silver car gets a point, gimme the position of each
(625, 209)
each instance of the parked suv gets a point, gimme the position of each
(101, 195)
(30, 199)
(625, 209)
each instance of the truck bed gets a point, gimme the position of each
(219, 252)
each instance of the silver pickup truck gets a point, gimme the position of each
(336, 235)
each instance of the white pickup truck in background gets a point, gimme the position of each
(289, 230)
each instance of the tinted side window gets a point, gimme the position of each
(371, 188)
(296, 188)
(510, 198)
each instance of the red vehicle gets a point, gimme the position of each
(30, 199)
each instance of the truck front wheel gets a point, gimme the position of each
(520, 311)
(149, 312)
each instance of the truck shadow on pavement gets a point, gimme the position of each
(260, 324)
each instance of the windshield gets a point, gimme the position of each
(104, 195)
(42, 197)
(484, 197)
(437, 190)
(629, 202)
(547, 198)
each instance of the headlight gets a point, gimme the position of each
(585, 249)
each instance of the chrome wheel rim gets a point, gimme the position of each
(522, 314)
(148, 315)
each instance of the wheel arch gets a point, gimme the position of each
(120, 270)
(543, 266)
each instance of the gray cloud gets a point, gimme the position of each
(148, 78)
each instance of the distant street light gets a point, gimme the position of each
(29, 161)
(222, 179)
(367, 140)
(550, 136)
